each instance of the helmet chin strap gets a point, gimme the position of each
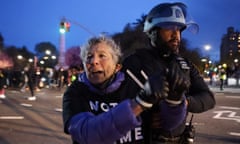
(153, 37)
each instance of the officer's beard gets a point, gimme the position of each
(166, 47)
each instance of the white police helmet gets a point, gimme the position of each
(167, 14)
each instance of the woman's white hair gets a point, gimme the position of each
(116, 50)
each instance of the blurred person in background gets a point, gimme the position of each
(2, 84)
(29, 75)
(223, 78)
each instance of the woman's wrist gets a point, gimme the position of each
(137, 108)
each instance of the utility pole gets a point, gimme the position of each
(64, 27)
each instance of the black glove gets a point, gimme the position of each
(155, 89)
(179, 80)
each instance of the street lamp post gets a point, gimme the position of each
(206, 59)
(64, 27)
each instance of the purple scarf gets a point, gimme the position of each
(114, 85)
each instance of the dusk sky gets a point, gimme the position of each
(29, 22)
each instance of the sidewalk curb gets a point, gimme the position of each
(225, 90)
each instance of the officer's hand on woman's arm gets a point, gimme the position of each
(155, 89)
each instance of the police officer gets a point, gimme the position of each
(165, 121)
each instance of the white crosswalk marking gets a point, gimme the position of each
(26, 105)
(58, 109)
(11, 117)
(234, 133)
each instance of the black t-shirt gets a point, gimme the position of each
(79, 98)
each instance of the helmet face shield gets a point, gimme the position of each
(192, 27)
(168, 14)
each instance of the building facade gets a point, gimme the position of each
(230, 47)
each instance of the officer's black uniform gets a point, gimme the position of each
(199, 96)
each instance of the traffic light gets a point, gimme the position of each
(67, 26)
(62, 27)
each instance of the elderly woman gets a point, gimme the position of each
(101, 106)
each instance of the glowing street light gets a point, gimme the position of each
(206, 51)
(42, 62)
(207, 47)
(19, 57)
(48, 52)
(235, 60)
(53, 57)
(30, 60)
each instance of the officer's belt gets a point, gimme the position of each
(160, 139)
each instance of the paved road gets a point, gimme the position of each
(32, 122)
(220, 125)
